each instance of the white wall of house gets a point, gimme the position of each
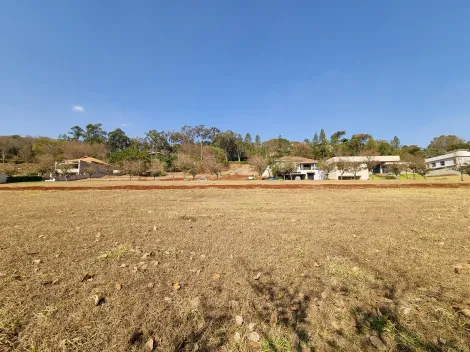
(449, 160)
(362, 174)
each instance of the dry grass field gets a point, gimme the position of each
(318, 269)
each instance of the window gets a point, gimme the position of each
(443, 163)
(433, 165)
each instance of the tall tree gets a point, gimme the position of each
(76, 133)
(117, 140)
(94, 133)
(395, 143)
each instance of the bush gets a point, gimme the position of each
(12, 179)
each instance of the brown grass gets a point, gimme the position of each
(337, 266)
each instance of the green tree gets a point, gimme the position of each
(94, 134)
(395, 144)
(117, 140)
(76, 133)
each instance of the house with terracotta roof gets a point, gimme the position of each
(305, 169)
(79, 167)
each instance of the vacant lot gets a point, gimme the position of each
(235, 270)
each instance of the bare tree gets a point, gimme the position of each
(134, 167)
(371, 164)
(213, 165)
(66, 171)
(8, 169)
(284, 167)
(258, 164)
(460, 166)
(91, 169)
(156, 168)
(355, 167)
(342, 167)
(326, 168)
(396, 169)
(184, 163)
(195, 168)
(45, 163)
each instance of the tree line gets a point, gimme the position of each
(194, 149)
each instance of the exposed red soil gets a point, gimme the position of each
(247, 186)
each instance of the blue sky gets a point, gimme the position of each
(266, 67)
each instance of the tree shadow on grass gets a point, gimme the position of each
(285, 306)
(203, 330)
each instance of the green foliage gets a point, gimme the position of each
(128, 154)
(118, 141)
(14, 179)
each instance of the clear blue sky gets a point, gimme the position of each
(266, 67)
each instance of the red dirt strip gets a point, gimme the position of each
(247, 186)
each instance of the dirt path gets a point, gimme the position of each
(247, 186)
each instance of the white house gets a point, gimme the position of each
(449, 161)
(382, 163)
(3, 178)
(78, 166)
(306, 169)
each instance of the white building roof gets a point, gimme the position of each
(379, 159)
(456, 153)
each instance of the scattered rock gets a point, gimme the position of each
(103, 256)
(99, 299)
(167, 299)
(253, 336)
(239, 320)
(176, 286)
(118, 286)
(155, 262)
(134, 269)
(316, 265)
(458, 269)
(374, 340)
(154, 228)
(42, 236)
(150, 344)
(216, 276)
(195, 302)
(273, 319)
(202, 256)
(251, 326)
(257, 276)
(150, 285)
(406, 311)
(324, 294)
(123, 266)
(37, 261)
(87, 277)
(144, 267)
(355, 269)
(441, 243)
(442, 341)
(146, 255)
(237, 337)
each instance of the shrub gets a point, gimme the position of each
(12, 179)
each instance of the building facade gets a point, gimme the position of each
(362, 173)
(449, 161)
